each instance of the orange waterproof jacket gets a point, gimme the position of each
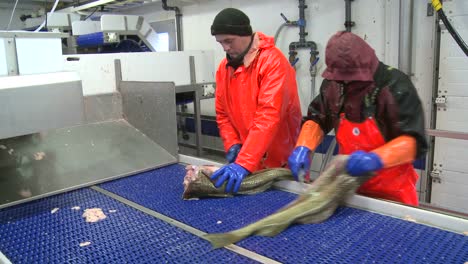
(257, 105)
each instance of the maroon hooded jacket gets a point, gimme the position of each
(359, 86)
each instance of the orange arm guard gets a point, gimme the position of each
(398, 151)
(311, 135)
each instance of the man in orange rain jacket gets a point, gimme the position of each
(257, 104)
(377, 116)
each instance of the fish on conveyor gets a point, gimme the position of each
(315, 205)
(197, 182)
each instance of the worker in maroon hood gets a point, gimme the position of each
(377, 116)
(257, 104)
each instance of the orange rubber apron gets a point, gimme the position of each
(397, 183)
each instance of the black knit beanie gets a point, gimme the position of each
(231, 21)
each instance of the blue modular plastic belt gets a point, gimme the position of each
(349, 236)
(161, 190)
(30, 233)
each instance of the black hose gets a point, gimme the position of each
(91, 14)
(452, 31)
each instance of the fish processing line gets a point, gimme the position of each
(148, 222)
(64, 150)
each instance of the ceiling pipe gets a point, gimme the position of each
(178, 17)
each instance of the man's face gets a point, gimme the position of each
(233, 45)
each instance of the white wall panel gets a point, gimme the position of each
(423, 56)
(3, 60)
(454, 116)
(456, 11)
(450, 155)
(39, 55)
(453, 67)
(451, 192)
(168, 66)
(98, 70)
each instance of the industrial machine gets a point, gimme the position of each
(121, 33)
(104, 34)
(85, 132)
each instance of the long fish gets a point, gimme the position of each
(197, 182)
(317, 204)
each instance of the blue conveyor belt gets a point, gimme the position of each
(349, 236)
(90, 40)
(30, 233)
(161, 190)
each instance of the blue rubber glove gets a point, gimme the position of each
(232, 173)
(361, 163)
(232, 153)
(299, 161)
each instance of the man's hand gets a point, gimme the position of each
(299, 162)
(232, 173)
(232, 153)
(361, 163)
